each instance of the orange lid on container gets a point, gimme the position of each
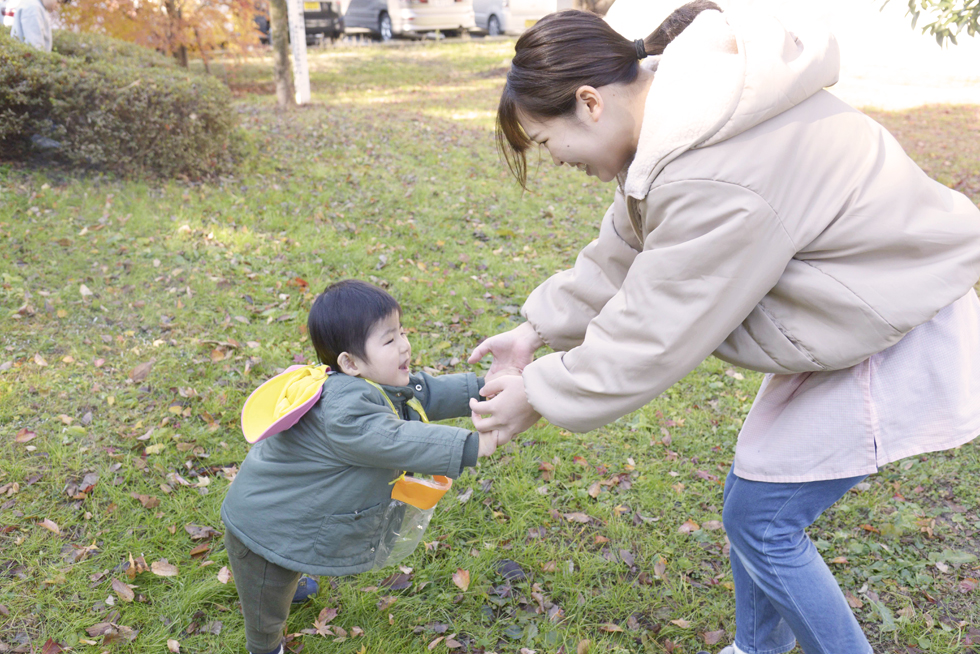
(421, 493)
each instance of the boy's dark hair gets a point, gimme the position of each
(342, 317)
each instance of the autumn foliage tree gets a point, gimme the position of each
(175, 27)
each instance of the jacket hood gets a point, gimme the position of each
(726, 73)
(280, 402)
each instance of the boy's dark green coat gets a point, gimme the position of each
(311, 498)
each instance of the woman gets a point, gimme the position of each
(759, 218)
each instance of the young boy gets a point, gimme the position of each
(312, 496)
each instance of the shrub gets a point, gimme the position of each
(97, 47)
(125, 113)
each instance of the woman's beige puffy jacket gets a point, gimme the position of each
(762, 220)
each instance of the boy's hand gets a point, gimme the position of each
(501, 372)
(488, 444)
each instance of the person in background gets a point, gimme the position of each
(32, 22)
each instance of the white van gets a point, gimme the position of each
(388, 18)
(513, 16)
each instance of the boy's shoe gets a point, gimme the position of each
(728, 650)
(307, 588)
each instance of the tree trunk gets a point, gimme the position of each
(204, 54)
(279, 37)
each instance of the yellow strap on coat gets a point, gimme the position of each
(414, 403)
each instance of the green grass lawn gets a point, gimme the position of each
(138, 316)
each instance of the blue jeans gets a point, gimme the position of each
(784, 591)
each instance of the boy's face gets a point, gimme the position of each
(388, 353)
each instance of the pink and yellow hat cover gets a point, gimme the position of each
(279, 403)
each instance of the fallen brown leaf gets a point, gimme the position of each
(173, 646)
(688, 527)
(50, 525)
(225, 575)
(25, 435)
(713, 637)
(582, 647)
(52, 647)
(148, 501)
(682, 623)
(163, 568)
(122, 591)
(200, 550)
(462, 579)
(140, 372)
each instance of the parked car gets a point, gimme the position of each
(512, 16)
(320, 18)
(324, 19)
(389, 18)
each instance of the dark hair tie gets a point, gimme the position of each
(641, 49)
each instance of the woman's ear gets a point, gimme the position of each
(348, 364)
(589, 102)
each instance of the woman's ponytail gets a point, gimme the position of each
(673, 25)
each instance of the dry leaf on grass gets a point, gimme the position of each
(610, 628)
(50, 525)
(140, 372)
(582, 647)
(148, 501)
(52, 647)
(225, 575)
(173, 646)
(24, 435)
(682, 623)
(122, 591)
(713, 637)
(163, 568)
(688, 527)
(577, 517)
(462, 579)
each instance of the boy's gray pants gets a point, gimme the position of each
(266, 592)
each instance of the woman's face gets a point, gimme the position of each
(591, 139)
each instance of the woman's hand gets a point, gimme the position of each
(507, 413)
(511, 350)
(488, 444)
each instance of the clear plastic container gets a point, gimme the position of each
(407, 516)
